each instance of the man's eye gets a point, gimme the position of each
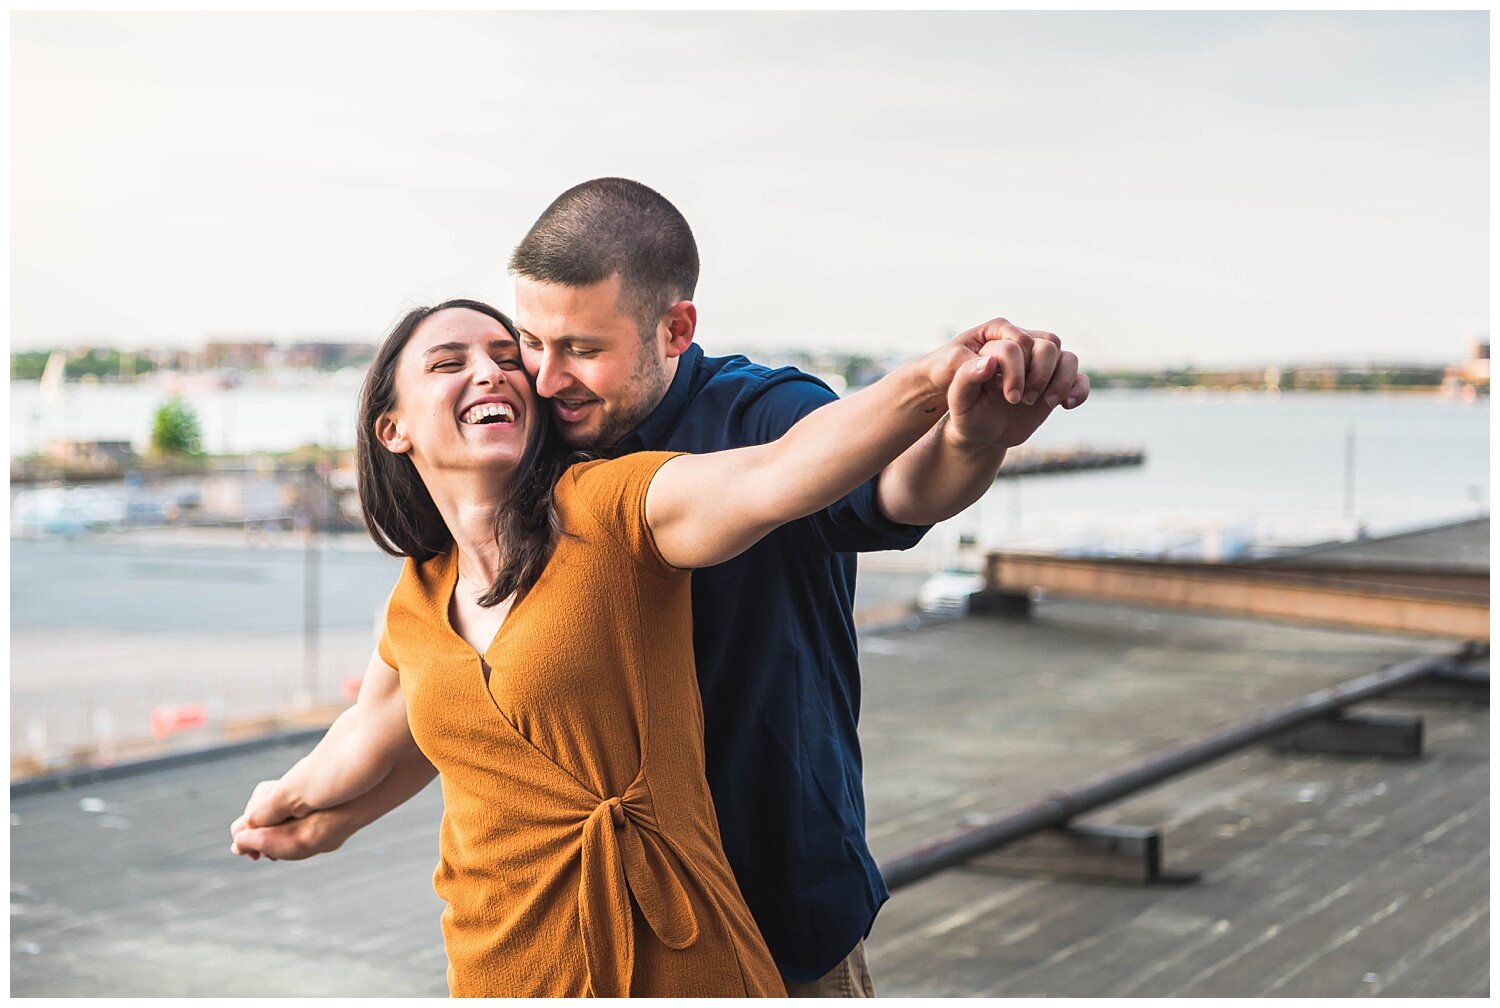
(532, 344)
(580, 352)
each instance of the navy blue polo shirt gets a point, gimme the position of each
(778, 668)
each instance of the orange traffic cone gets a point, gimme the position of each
(172, 718)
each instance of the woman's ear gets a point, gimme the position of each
(388, 432)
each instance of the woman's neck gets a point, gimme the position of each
(469, 509)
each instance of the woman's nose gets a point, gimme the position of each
(487, 372)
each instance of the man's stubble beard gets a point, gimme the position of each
(649, 383)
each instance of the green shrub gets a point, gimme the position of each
(175, 430)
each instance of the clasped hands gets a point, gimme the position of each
(1007, 382)
(265, 829)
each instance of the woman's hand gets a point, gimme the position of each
(357, 753)
(288, 839)
(263, 809)
(269, 805)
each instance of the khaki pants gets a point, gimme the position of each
(850, 978)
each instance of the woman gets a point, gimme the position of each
(538, 650)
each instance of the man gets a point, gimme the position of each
(604, 286)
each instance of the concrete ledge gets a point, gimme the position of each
(92, 775)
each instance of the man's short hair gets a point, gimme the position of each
(608, 226)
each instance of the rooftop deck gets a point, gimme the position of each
(1319, 876)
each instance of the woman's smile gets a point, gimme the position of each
(496, 411)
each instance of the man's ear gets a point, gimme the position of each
(681, 321)
(388, 432)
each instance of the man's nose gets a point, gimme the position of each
(551, 374)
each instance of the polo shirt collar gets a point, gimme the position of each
(661, 421)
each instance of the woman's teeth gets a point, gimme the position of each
(488, 413)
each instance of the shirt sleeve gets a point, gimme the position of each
(852, 524)
(614, 493)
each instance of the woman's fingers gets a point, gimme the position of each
(1041, 369)
(1078, 393)
(1012, 373)
(245, 849)
(1028, 359)
(1063, 378)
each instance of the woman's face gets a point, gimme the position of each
(463, 401)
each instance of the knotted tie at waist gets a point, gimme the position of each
(623, 855)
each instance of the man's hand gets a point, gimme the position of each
(1002, 404)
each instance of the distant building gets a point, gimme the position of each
(172, 360)
(1239, 378)
(329, 356)
(1473, 375)
(92, 454)
(246, 355)
(1478, 368)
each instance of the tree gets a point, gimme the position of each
(28, 365)
(175, 431)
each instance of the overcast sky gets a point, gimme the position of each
(1156, 188)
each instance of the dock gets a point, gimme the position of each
(1031, 462)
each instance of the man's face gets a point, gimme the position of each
(589, 360)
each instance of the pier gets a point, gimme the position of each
(1030, 461)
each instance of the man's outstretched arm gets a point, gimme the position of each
(951, 467)
(326, 830)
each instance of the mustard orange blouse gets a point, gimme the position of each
(579, 851)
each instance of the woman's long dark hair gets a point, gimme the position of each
(399, 511)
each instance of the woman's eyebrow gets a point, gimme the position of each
(503, 343)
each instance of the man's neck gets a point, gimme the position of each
(671, 370)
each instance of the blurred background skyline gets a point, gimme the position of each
(1158, 188)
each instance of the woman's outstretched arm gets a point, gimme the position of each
(705, 509)
(327, 829)
(358, 751)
